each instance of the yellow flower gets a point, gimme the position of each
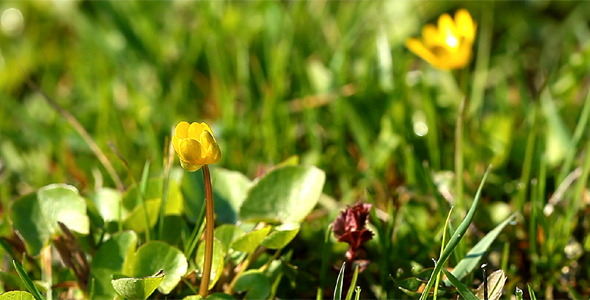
(449, 45)
(195, 145)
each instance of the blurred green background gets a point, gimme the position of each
(328, 81)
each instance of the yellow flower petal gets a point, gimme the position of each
(181, 130)
(206, 127)
(446, 26)
(211, 148)
(448, 45)
(419, 49)
(431, 36)
(465, 25)
(190, 151)
(194, 131)
(195, 145)
(175, 144)
(189, 166)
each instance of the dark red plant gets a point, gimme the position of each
(349, 227)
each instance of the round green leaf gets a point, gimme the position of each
(226, 234)
(136, 220)
(35, 216)
(284, 195)
(255, 283)
(153, 191)
(230, 189)
(107, 202)
(154, 256)
(281, 236)
(109, 260)
(17, 295)
(138, 288)
(217, 263)
(249, 241)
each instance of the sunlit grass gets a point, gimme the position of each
(333, 84)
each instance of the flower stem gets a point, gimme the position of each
(209, 227)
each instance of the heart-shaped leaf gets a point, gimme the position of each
(281, 236)
(284, 195)
(107, 203)
(154, 256)
(227, 233)
(109, 260)
(17, 295)
(136, 220)
(229, 190)
(153, 191)
(138, 288)
(249, 241)
(255, 283)
(35, 216)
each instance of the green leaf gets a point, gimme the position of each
(255, 283)
(106, 201)
(109, 260)
(27, 281)
(284, 195)
(355, 275)
(456, 238)
(226, 234)
(531, 292)
(281, 236)
(138, 288)
(472, 258)
(176, 224)
(217, 264)
(465, 292)
(496, 283)
(339, 283)
(249, 241)
(136, 219)
(35, 216)
(17, 295)
(153, 191)
(154, 256)
(230, 189)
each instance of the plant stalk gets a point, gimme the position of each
(209, 228)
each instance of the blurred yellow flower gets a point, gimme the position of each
(195, 145)
(448, 46)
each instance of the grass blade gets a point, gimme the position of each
(27, 281)
(442, 248)
(531, 293)
(456, 238)
(339, 283)
(352, 283)
(471, 261)
(464, 291)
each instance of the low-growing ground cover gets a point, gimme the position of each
(363, 151)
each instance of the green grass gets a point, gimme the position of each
(332, 83)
